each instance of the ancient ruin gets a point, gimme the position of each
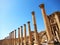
(50, 35)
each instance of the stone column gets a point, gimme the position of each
(29, 29)
(35, 29)
(46, 22)
(24, 34)
(18, 36)
(14, 37)
(10, 38)
(21, 35)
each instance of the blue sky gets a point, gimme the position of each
(14, 13)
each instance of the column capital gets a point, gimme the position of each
(33, 13)
(18, 28)
(12, 31)
(41, 5)
(24, 24)
(21, 26)
(28, 22)
(15, 30)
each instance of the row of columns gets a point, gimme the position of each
(12, 38)
(36, 42)
(20, 39)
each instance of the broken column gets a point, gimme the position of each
(46, 22)
(21, 35)
(35, 29)
(30, 37)
(18, 36)
(24, 34)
